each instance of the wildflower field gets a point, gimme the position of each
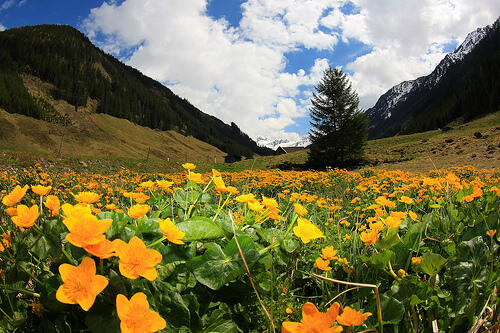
(252, 251)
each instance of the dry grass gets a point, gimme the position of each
(96, 135)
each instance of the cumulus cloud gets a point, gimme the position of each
(238, 73)
(408, 37)
(2, 27)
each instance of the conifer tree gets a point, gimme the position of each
(339, 126)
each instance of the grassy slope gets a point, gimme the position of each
(419, 152)
(437, 149)
(93, 136)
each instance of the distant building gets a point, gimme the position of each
(286, 150)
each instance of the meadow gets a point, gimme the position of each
(250, 251)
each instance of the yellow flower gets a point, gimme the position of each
(324, 265)
(245, 198)
(491, 232)
(351, 317)
(141, 198)
(329, 253)
(288, 311)
(81, 284)
(307, 231)
(383, 201)
(343, 261)
(369, 236)
(401, 273)
(233, 190)
(300, 210)
(189, 166)
(15, 196)
(25, 217)
(104, 249)
(149, 184)
(196, 177)
(111, 207)
(138, 210)
(164, 184)
(314, 321)
(406, 200)
(137, 260)
(135, 315)
(255, 206)
(173, 234)
(416, 260)
(6, 240)
(219, 184)
(11, 211)
(86, 230)
(87, 197)
(52, 202)
(269, 202)
(75, 211)
(41, 190)
(413, 215)
(392, 222)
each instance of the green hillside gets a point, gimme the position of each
(81, 73)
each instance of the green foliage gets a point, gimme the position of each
(439, 266)
(340, 127)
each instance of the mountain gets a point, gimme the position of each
(465, 84)
(82, 75)
(275, 143)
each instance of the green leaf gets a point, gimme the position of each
(432, 263)
(220, 321)
(180, 197)
(149, 226)
(198, 228)
(379, 260)
(100, 319)
(289, 245)
(412, 236)
(45, 247)
(120, 220)
(392, 309)
(171, 305)
(218, 266)
(391, 239)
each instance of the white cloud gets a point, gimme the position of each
(407, 37)
(235, 74)
(2, 27)
(9, 3)
(238, 73)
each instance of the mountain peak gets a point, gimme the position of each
(400, 99)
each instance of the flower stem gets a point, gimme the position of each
(157, 241)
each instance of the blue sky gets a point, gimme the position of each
(255, 62)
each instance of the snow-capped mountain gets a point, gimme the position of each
(274, 143)
(409, 97)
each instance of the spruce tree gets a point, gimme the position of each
(340, 128)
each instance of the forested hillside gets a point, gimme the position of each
(466, 88)
(64, 57)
